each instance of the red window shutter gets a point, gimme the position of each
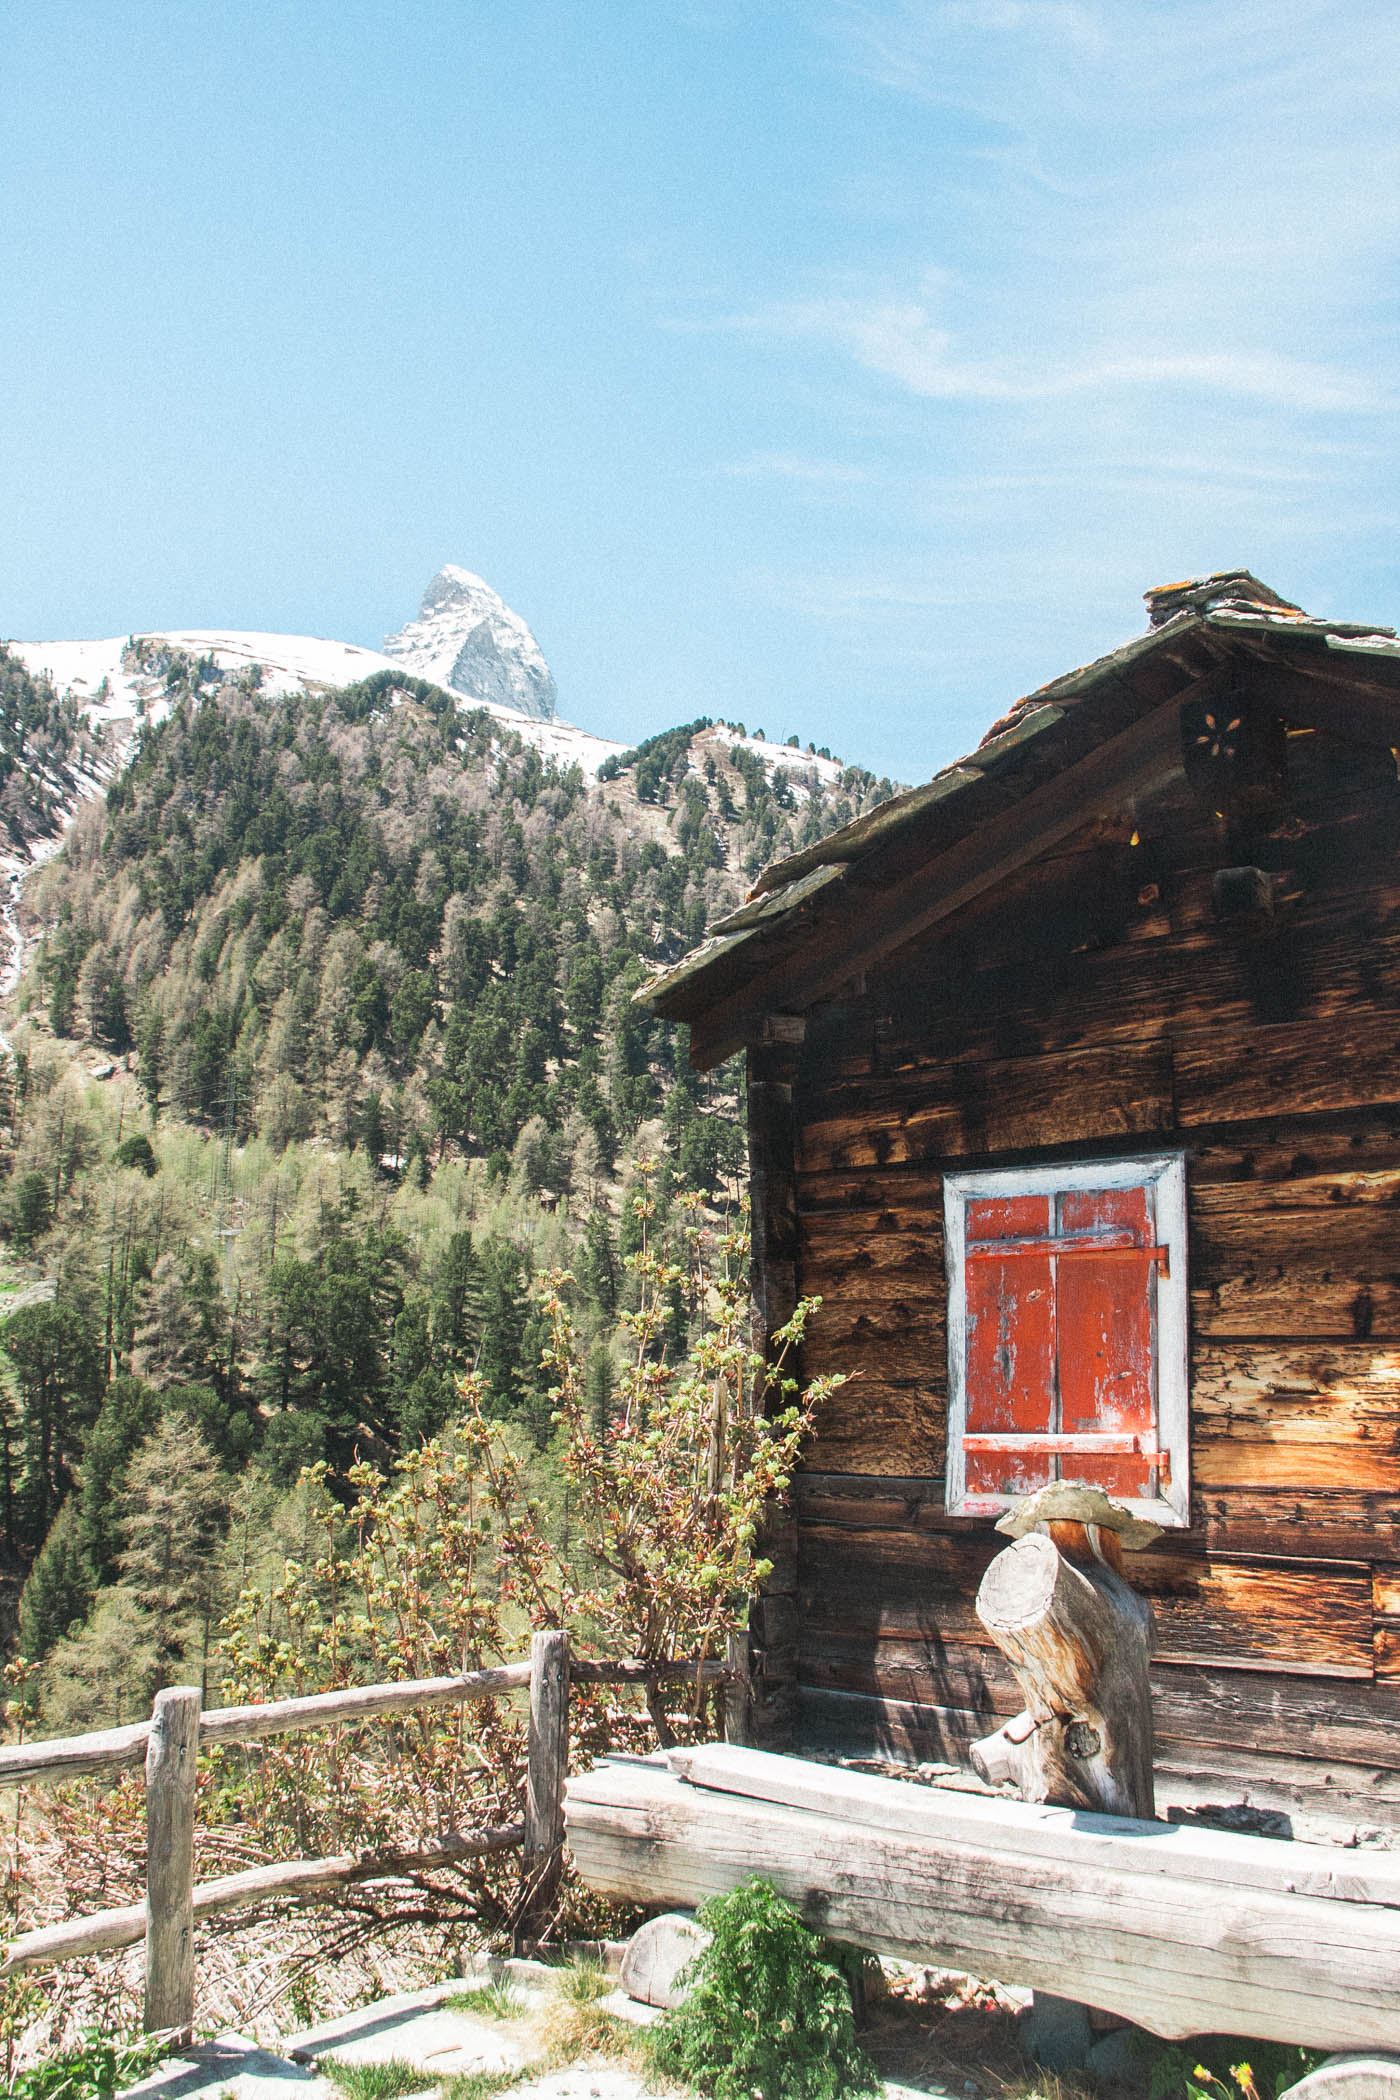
(1010, 1342)
(1104, 1306)
(1060, 1373)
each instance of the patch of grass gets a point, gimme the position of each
(584, 1983)
(484, 2085)
(1038, 2085)
(576, 2025)
(384, 2081)
(494, 2001)
(98, 2066)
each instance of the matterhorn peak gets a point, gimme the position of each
(467, 639)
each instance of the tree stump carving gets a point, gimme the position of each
(1078, 1637)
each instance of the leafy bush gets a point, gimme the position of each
(769, 2016)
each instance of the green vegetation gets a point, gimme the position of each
(382, 1298)
(490, 2001)
(577, 2024)
(368, 963)
(1224, 2067)
(483, 2085)
(95, 2068)
(769, 2014)
(44, 745)
(383, 2081)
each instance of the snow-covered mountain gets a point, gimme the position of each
(466, 640)
(469, 640)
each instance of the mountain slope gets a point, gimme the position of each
(325, 1054)
(118, 683)
(301, 899)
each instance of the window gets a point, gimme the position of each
(1067, 1334)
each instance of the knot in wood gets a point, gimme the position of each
(1082, 1740)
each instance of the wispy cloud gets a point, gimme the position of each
(787, 466)
(906, 45)
(902, 339)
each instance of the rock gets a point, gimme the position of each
(1362, 2074)
(656, 1954)
(231, 2066)
(1118, 2055)
(1055, 2032)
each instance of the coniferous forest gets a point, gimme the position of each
(323, 1055)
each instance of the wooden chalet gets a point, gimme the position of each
(1074, 1091)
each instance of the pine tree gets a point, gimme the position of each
(173, 1514)
(59, 1589)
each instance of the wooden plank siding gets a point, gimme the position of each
(1094, 1007)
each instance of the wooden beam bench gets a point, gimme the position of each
(1182, 1929)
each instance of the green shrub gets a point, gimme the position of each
(98, 2066)
(769, 2016)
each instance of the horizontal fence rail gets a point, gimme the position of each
(168, 1745)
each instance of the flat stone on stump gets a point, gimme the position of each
(656, 1954)
(1070, 1502)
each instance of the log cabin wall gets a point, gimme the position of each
(1119, 996)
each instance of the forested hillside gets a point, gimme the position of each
(326, 1050)
(46, 747)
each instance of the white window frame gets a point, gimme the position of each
(1165, 1175)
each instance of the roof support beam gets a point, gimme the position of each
(1329, 697)
(868, 924)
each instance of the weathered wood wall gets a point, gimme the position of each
(1097, 1004)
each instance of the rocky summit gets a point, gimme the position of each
(467, 639)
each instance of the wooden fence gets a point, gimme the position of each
(169, 1744)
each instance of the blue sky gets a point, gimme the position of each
(846, 368)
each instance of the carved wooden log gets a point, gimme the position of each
(1078, 1638)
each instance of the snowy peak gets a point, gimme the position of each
(467, 639)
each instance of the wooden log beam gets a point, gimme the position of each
(362, 1702)
(1150, 1939)
(738, 1696)
(688, 1669)
(1137, 1844)
(1332, 694)
(774, 1249)
(302, 1880)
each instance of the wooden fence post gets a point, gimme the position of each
(171, 1756)
(548, 1768)
(737, 1723)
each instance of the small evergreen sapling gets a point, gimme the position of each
(769, 2015)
